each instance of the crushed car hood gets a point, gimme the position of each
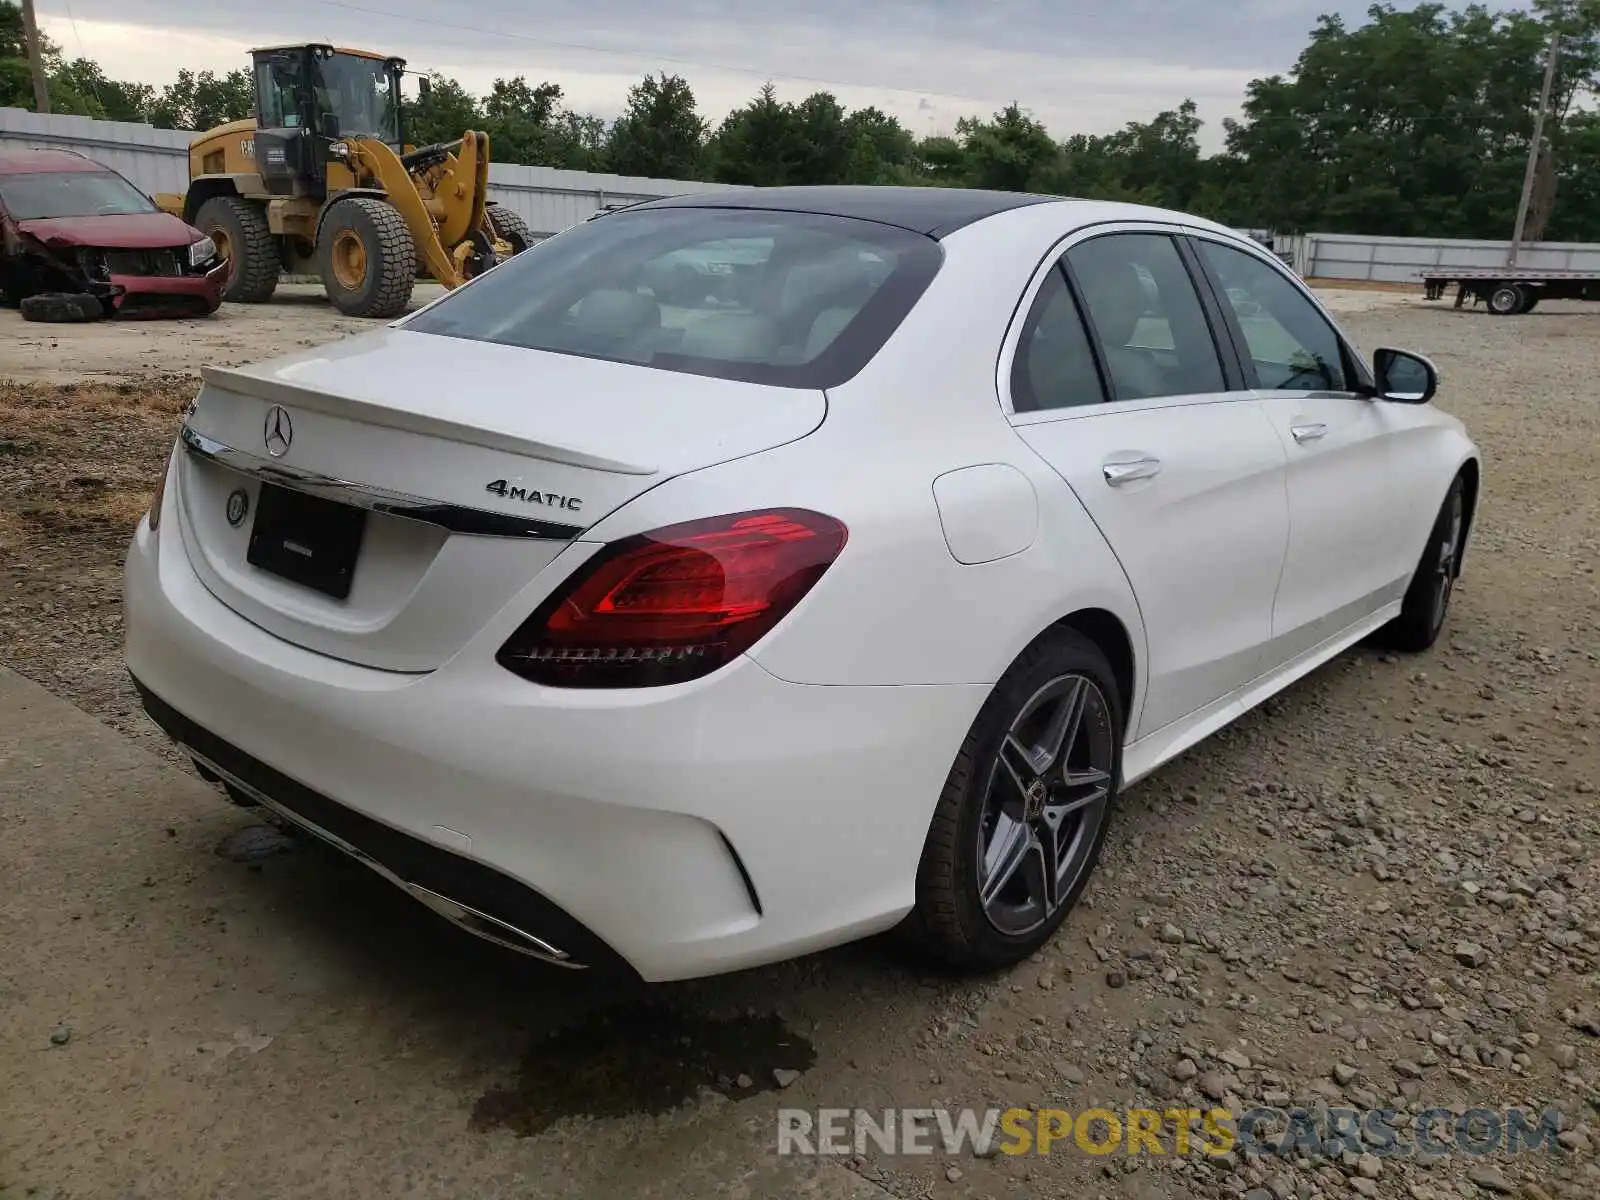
(139, 231)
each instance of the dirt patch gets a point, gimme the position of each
(115, 350)
(78, 464)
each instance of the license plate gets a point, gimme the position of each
(306, 539)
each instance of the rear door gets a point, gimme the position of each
(1348, 480)
(1117, 380)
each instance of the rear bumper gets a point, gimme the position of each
(687, 831)
(479, 899)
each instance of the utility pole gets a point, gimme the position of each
(41, 85)
(1551, 56)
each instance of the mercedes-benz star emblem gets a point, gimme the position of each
(1035, 800)
(278, 431)
(238, 505)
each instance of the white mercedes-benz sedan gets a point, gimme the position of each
(737, 575)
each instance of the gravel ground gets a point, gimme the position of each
(1380, 890)
(110, 351)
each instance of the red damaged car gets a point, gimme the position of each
(81, 242)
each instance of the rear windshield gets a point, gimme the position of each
(36, 196)
(789, 299)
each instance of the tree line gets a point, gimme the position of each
(1413, 122)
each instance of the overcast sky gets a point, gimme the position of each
(1084, 66)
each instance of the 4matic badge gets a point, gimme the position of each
(528, 496)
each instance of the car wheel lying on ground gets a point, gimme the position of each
(840, 592)
(61, 306)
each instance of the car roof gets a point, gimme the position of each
(934, 211)
(30, 162)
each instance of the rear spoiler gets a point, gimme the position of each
(245, 383)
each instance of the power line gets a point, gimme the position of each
(82, 53)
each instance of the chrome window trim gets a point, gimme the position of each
(456, 518)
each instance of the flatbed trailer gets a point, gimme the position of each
(1509, 291)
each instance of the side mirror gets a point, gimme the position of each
(328, 125)
(1403, 377)
(424, 86)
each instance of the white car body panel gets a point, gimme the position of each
(1202, 542)
(779, 804)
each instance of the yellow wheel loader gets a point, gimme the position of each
(322, 182)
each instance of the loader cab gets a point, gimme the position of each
(307, 97)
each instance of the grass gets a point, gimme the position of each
(82, 459)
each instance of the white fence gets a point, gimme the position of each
(1402, 260)
(157, 160)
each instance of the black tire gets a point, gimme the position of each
(509, 224)
(239, 228)
(1507, 299)
(951, 920)
(1530, 301)
(1427, 599)
(62, 308)
(380, 283)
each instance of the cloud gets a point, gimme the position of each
(1077, 69)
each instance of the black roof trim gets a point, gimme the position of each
(934, 211)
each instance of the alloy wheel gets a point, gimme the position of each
(1047, 796)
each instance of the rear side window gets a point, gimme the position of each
(1054, 366)
(1153, 334)
(789, 299)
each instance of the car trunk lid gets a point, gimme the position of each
(381, 499)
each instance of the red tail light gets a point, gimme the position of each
(676, 603)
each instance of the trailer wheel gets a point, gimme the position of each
(367, 257)
(1531, 302)
(1507, 299)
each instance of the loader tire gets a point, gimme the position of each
(367, 257)
(240, 230)
(73, 308)
(508, 223)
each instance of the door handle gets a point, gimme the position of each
(1119, 473)
(1307, 433)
